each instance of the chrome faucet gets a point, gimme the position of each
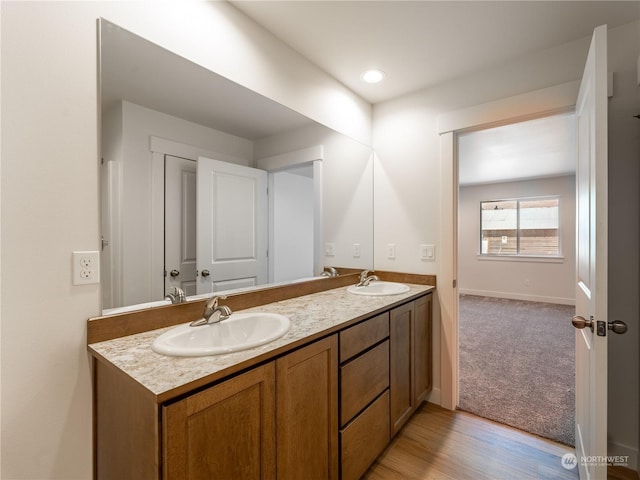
(213, 313)
(329, 272)
(366, 279)
(177, 296)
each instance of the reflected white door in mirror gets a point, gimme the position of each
(179, 225)
(232, 231)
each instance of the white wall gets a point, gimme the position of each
(533, 280)
(50, 201)
(407, 191)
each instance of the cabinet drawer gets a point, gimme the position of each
(355, 339)
(362, 380)
(365, 438)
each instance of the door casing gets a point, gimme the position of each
(553, 100)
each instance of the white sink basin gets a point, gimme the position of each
(238, 332)
(379, 288)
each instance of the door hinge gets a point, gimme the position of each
(455, 283)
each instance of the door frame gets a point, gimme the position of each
(548, 101)
(307, 156)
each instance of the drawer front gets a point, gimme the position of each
(365, 438)
(362, 380)
(355, 339)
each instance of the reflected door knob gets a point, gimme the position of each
(174, 273)
(205, 273)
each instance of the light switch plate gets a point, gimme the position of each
(330, 249)
(427, 252)
(391, 251)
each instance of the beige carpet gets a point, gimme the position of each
(517, 364)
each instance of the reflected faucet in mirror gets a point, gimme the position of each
(366, 279)
(213, 313)
(329, 272)
(177, 296)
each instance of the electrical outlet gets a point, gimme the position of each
(356, 250)
(86, 267)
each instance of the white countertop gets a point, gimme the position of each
(310, 315)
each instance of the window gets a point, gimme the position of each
(527, 227)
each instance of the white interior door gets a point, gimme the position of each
(591, 263)
(180, 224)
(232, 212)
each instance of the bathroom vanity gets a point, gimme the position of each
(322, 401)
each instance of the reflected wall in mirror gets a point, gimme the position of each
(187, 156)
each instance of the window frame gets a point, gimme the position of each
(551, 258)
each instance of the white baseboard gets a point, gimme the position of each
(618, 449)
(434, 396)
(518, 296)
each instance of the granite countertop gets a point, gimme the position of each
(310, 315)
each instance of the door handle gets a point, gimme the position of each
(617, 326)
(205, 273)
(174, 273)
(581, 322)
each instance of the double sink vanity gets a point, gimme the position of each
(339, 374)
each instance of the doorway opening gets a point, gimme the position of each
(516, 267)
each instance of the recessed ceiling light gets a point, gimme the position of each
(373, 76)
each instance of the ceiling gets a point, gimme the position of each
(419, 44)
(424, 43)
(540, 148)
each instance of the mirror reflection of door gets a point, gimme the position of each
(236, 201)
(232, 218)
(180, 224)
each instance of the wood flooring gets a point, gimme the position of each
(439, 444)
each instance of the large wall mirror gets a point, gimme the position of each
(208, 186)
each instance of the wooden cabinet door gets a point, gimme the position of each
(226, 431)
(401, 353)
(423, 379)
(307, 412)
